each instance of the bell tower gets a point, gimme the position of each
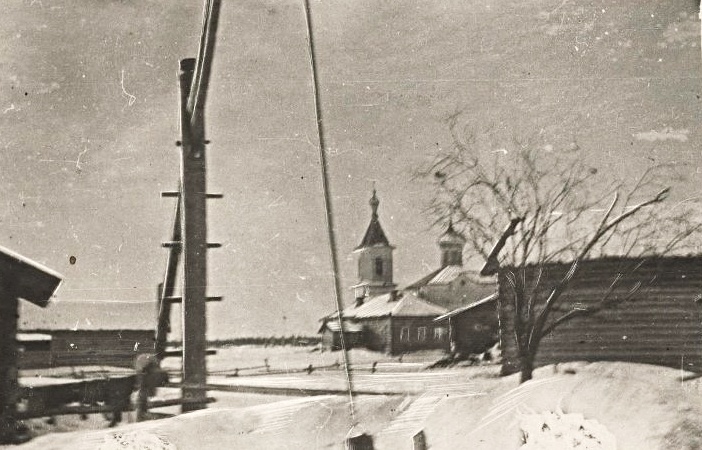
(451, 244)
(374, 257)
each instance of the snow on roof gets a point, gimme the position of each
(447, 274)
(406, 304)
(488, 299)
(349, 327)
(33, 337)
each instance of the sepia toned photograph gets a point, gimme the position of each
(368, 224)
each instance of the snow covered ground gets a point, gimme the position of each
(641, 407)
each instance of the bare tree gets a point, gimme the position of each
(559, 209)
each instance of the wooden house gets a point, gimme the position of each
(87, 333)
(653, 315)
(395, 323)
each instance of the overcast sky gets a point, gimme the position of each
(89, 117)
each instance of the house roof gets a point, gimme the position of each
(32, 281)
(349, 327)
(462, 309)
(406, 305)
(375, 236)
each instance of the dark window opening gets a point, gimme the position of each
(422, 334)
(404, 334)
(379, 266)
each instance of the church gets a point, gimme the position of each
(395, 321)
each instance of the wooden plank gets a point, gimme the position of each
(99, 409)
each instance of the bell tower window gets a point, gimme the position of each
(379, 266)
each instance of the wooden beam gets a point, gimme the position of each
(194, 237)
(167, 288)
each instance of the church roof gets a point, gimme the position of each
(399, 304)
(451, 236)
(447, 274)
(472, 286)
(375, 236)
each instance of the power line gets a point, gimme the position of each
(324, 165)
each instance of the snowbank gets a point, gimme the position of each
(640, 407)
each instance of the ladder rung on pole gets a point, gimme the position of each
(174, 299)
(179, 353)
(176, 194)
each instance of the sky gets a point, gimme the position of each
(89, 120)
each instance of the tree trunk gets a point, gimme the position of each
(526, 366)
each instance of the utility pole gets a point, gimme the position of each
(190, 224)
(194, 235)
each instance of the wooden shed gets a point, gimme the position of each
(654, 318)
(331, 334)
(472, 328)
(20, 278)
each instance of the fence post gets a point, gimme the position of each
(419, 441)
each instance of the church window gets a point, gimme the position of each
(379, 266)
(422, 334)
(404, 334)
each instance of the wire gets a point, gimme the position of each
(327, 203)
(203, 68)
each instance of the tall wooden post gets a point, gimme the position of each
(194, 240)
(8, 363)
